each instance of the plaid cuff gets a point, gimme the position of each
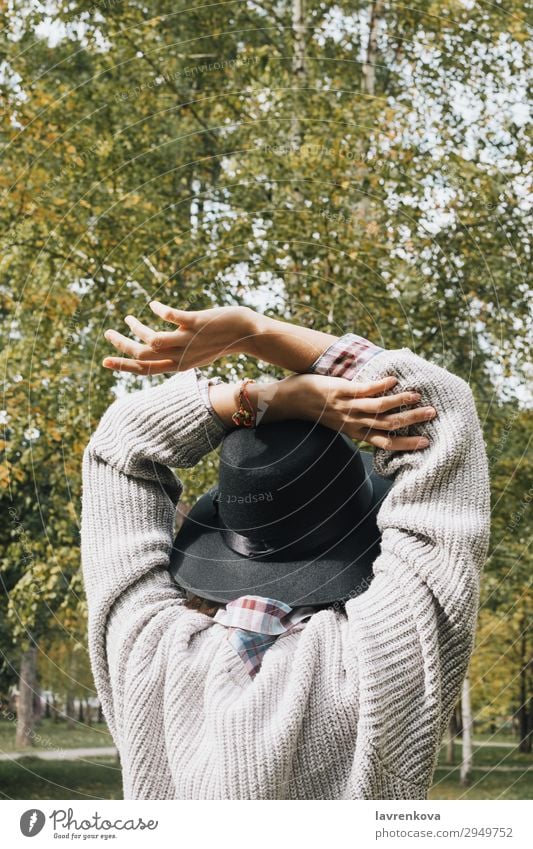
(345, 357)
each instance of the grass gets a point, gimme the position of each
(100, 778)
(492, 756)
(32, 778)
(55, 735)
(496, 737)
(496, 784)
(484, 785)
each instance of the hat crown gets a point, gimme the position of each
(277, 480)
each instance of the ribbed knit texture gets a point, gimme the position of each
(349, 706)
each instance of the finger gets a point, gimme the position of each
(374, 387)
(396, 443)
(398, 420)
(388, 402)
(182, 318)
(132, 348)
(157, 338)
(141, 330)
(164, 340)
(139, 366)
(123, 344)
(395, 421)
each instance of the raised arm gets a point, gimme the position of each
(413, 630)
(203, 336)
(129, 507)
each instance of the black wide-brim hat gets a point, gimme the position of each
(293, 518)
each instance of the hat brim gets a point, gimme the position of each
(202, 563)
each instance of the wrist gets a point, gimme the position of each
(253, 326)
(276, 400)
(223, 398)
(283, 344)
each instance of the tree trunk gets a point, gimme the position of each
(466, 711)
(56, 713)
(369, 65)
(298, 65)
(450, 743)
(69, 711)
(525, 709)
(458, 720)
(37, 702)
(363, 207)
(88, 713)
(298, 28)
(529, 742)
(27, 678)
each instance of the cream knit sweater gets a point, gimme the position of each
(350, 707)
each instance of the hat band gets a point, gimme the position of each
(341, 523)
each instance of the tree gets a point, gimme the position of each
(467, 757)
(27, 680)
(349, 166)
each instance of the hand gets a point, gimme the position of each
(205, 335)
(360, 410)
(202, 337)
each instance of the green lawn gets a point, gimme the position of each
(484, 785)
(497, 737)
(55, 735)
(31, 778)
(496, 784)
(492, 756)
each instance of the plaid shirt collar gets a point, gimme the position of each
(254, 623)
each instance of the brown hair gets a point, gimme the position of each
(209, 608)
(203, 605)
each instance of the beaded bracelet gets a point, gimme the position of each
(242, 416)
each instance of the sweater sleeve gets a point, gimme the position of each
(128, 517)
(413, 629)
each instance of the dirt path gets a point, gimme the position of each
(61, 754)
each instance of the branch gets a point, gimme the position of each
(170, 84)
